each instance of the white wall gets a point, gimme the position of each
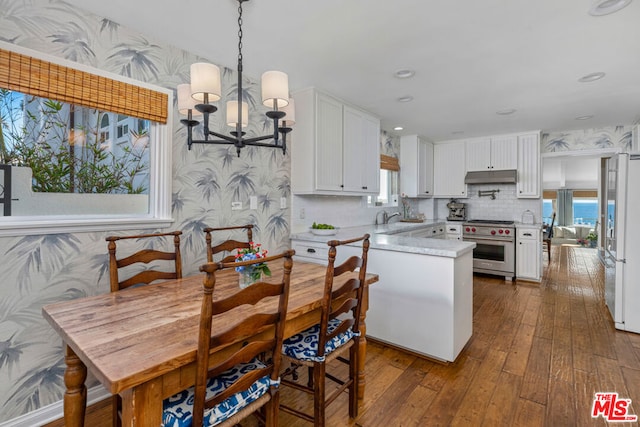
(574, 173)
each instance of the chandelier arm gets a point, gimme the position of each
(211, 141)
(261, 138)
(228, 138)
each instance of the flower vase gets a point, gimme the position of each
(248, 277)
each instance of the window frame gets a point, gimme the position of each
(159, 214)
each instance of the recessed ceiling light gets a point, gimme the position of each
(605, 7)
(407, 98)
(584, 117)
(506, 112)
(398, 128)
(591, 77)
(404, 74)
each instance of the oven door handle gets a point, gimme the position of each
(487, 239)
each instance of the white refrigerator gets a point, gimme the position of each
(622, 241)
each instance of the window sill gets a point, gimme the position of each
(57, 225)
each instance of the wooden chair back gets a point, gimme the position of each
(548, 235)
(269, 321)
(227, 245)
(144, 256)
(349, 294)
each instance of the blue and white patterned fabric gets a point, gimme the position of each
(304, 346)
(177, 410)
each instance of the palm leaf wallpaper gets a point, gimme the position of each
(588, 139)
(37, 270)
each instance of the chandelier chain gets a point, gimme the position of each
(240, 32)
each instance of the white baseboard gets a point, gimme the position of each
(52, 412)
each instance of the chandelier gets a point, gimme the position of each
(195, 100)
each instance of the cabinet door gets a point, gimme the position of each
(478, 154)
(425, 168)
(504, 153)
(528, 166)
(449, 169)
(328, 149)
(528, 257)
(361, 150)
(371, 155)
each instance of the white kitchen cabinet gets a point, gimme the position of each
(453, 231)
(529, 175)
(449, 169)
(416, 167)
(529, 253)
(494, 153)
(361, 151)
(335, 147)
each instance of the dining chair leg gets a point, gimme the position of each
(353, 377)
(318, 394)
(310, 377)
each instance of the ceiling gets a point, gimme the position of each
(471, 58)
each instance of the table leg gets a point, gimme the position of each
(75, 397)
(362, 351)
(142, 405)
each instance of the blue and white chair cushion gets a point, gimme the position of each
(178, 409)
(304, 346)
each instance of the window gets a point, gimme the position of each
(389, 185)
(80, 134)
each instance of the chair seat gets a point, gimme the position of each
(177, 410)
(304, 346)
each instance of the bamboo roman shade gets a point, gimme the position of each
(389, 163)
(36, 77)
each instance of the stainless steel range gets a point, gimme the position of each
(495, 246)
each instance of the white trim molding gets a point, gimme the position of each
(54, 411)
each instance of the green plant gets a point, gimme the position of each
(64, 157)
(592, 236)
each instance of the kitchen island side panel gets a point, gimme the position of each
(422, 303)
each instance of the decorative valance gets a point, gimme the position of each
(36, 77)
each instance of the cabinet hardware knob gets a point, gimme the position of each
(341, 185)
(311, 251)
(364, 188)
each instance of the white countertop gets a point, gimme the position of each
(382, 237)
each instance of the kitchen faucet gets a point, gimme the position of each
(386, 217)
(391, 216)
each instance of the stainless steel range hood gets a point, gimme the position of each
(492, 177)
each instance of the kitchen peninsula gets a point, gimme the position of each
(424, 299)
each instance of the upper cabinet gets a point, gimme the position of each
(529, 175)
(493, 153)
(335, 147)
(416, 167)
(449, 169)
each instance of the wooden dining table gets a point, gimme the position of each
(141, 342)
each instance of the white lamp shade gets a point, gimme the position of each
(232, 113)
(205, 79)
(185, 101)
(290, 111)
(275, 87)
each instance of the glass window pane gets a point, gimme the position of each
(63, 161)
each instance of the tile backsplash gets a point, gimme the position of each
(506, 205)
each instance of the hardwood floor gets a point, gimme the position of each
(538, 354)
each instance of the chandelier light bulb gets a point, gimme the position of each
(275, 87)
(232, 114)
(205, 80)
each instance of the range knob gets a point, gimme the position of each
(506, 232)
(473, 229)
(493, 231)
(500, 231)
